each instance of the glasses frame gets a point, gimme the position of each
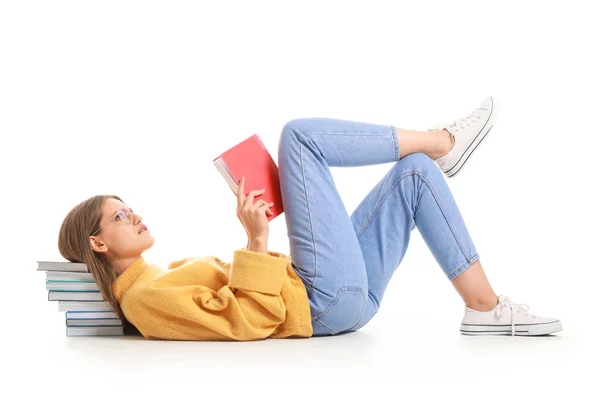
(124, 216)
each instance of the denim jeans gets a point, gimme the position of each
(346, 262)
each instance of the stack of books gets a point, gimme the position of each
(86, 311)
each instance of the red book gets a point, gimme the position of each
(250, 159)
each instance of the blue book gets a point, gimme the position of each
(62, 266)
(92, 322)
(84, 306)
(62, 285)
(70, 276)
(93, 315)
(75, 296)
(108, 330)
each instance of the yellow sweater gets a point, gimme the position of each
(255, 296)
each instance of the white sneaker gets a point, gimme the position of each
(507, 318)
(468, 133)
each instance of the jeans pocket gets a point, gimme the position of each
(344, 311)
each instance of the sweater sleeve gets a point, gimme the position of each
(250, 307)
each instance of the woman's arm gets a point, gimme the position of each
(259, 245)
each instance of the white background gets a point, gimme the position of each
(137, 98)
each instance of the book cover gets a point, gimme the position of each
(107, 330)
(89, 296)
(68, 276)
(251, 159)
(62, 266)
(79, 306)
(90, 315)
(63, 285)
(92, 322)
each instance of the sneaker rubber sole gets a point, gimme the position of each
(522, 329)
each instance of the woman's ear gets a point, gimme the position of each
(98, 245)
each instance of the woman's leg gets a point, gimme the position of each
(433, 143)
(473, 285)
(323, 245)
(414, 193)
(346, 263)
(475, 289)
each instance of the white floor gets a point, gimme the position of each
(390, 361)
(410, 355)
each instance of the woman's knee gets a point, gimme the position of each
(301, 128)
(417, 161)
(290, 134)
(295, 126)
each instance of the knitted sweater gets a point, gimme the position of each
(255, 296)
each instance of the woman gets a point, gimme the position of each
(339, 265)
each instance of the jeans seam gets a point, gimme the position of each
(438, 201)
(321, 134)
(332, 304)
(396, 144)
(435, 196)
(362, 312)
(324, 326)
(381, 200)
(470, 260)
(355, 290)
(312, 231)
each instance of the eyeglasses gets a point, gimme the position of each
(121, 215)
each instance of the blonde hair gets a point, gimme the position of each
(74, 245)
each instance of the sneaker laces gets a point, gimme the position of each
(464, 122)
(507, 302)
(459, 124)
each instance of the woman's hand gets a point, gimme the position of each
(252, 215)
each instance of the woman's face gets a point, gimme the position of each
(117, 238)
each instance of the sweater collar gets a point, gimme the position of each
(128, 277)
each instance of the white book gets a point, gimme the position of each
(86, 322)
(75, 296)
(71, 286)
(94, 331)
(84, 306)
(68, 276)
(62, 266)
(94, 315)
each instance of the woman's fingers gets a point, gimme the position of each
(240, 193)
(264, 206)
(249, 200)
(258, 204)
(246, 200)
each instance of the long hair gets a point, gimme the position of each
(74, 245)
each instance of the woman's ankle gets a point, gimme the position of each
(444, 143)
(483, 305)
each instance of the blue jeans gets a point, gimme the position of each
(346, 262)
